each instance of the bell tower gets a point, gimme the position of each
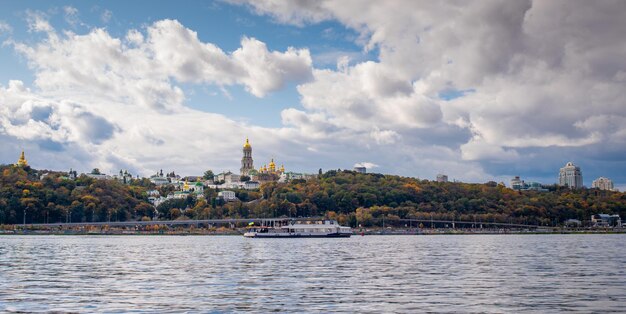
(247, 163)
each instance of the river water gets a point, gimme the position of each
(215, 274)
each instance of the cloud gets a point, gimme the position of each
(546, 82)
(366, 164)
(71, 16)
(542, 74)
(5, 28)
(38, 22)
(138, 68)
(117, 100)
(106, 16)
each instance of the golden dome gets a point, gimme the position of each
(22, 162)
(272, 165)
(247, 144)
(282, 168)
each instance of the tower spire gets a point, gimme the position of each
(22, 162)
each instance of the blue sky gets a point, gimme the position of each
(215, 22)
(409, 87)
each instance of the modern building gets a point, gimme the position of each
(247, 164)
(442, 178)
(604, 220)
(360, 169)
(517, 183)
(602, 183)
(571, 176)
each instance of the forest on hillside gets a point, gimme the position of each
(352, 198)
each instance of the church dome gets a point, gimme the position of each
(247, 144)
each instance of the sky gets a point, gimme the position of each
(478, 90)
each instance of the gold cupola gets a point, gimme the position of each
(247, 144)
(22, 162)
(272, 166)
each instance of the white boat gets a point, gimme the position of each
(293, 228)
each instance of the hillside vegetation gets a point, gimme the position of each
(350, 197)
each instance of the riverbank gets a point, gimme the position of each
(356, 232)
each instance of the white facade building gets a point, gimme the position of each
(98, 176)
(228, 177)
(251, 185)
(517, 183)
(571, 176)
(227, 196)
(602, 183)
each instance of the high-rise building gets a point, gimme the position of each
(602, 183)
(360, 169)
(247, 164)
(442, 178)
(571, 176)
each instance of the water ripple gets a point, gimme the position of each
(400, 274)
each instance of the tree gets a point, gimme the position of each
(95, 171)
(208, 175)
(244, 178)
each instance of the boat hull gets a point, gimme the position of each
(296, 235)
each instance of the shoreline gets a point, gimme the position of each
(356, 233)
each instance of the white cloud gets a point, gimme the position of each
(37, 22)
(5, 28)
(538, 71)
(139, 68)
(106, 16)
(366, 164)
(117, 99)
(545, 77)
(71, 16)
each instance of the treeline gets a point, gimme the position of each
(352, 198)
(368, 199)
(25, 196)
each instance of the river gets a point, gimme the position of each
(401, 274)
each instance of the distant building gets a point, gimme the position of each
(72, 174)
(22, 162)
(604, 220)
(251, 185)
(124, 177)
(517, 183)
(95, 174)
(442, 178)
(159, 179)
(288, 176)
(227, 196)
(247, 164)
(360, 169)
(193, 187)
(573, 223)
(602, 183)
(228, 177)
(571, 176)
